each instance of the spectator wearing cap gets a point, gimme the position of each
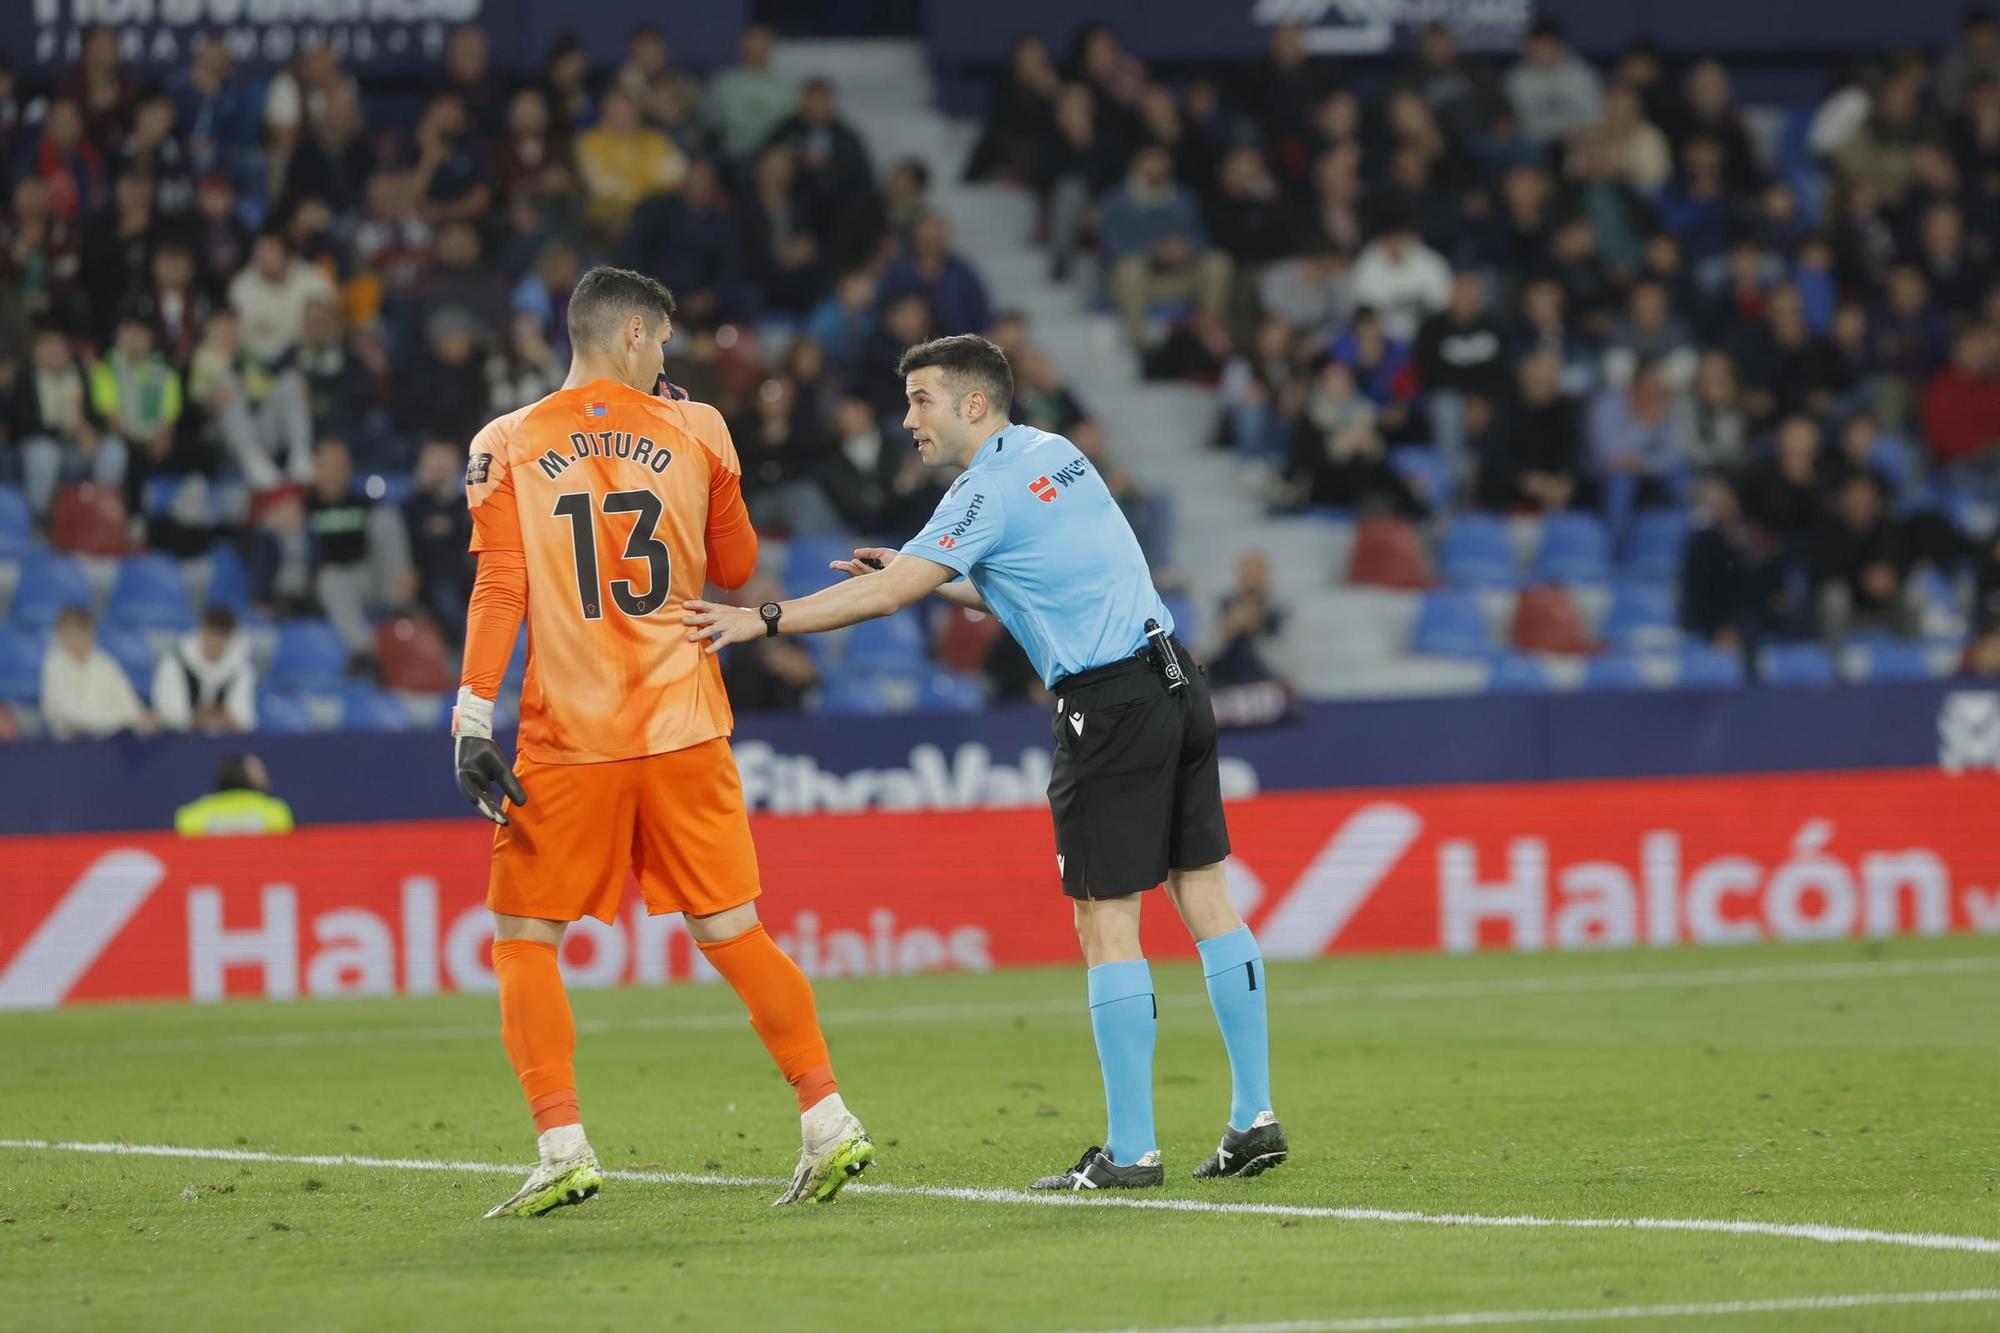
(84, 691)
(206, 682)
(59, 432)
(1156, 248)
(1554, 93)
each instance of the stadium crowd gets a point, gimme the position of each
(1534, 285)
(248, 324)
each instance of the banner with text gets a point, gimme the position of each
(398, 908)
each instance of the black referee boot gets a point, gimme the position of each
(1249, 1152)
(1096, 1171)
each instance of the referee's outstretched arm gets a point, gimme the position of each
(906, 579)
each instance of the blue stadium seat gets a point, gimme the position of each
(1575, 549)
(1615, 671)
(49, 583)
(134, 655)
(1641, 615)
(148, 594)
(807, 557)
(365, 708)
(229, 579)
(20, 666)
(1654, 546)
(888, 644)
(284, 714)
(16, 531)
(159, 493)
(1427, 472)
(1797, 664)
(1477, 554)
(950, 692)
(1703, 666)
(852, 694)
(310, 657)
(1518, 673)
(1896, 660)
(1450, 623)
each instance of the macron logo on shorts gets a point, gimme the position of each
(1044, 489)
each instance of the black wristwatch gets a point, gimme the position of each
(770, 611)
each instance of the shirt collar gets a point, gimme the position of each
(990, 448)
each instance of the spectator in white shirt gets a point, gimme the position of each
(206, 682)
(1402, 280)
(84, 692)
(271, 296)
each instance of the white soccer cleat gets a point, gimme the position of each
(835, 1151)
(568, 1173)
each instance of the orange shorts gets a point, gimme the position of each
(675, 820)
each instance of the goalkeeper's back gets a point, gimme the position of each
(621, 505)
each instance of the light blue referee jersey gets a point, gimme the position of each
(1036, 530)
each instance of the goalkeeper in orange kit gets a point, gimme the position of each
(596, 513)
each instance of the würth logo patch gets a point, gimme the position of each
(1044, 489)
(477, 469)
(947, 541)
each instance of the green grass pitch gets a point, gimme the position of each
(1849, 1085)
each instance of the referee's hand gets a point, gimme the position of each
(867, 560)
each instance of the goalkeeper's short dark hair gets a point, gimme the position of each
(969, 362)
(606, 297)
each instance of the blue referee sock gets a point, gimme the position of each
(1234, 967)
(1125, 1020)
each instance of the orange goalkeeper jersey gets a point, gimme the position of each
(603, 509)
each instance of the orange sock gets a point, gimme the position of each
(780, 1001)
(536, 1028)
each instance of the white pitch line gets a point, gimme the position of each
(1495, 987)
(1497, 1318)
(1830, 1235)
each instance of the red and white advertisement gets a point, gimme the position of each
(399, 908)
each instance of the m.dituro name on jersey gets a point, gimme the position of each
(606, 444)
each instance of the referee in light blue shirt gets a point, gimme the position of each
(1030, 533)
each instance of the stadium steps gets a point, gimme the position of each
(1337, 639)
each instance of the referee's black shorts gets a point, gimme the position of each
(1135, 790)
